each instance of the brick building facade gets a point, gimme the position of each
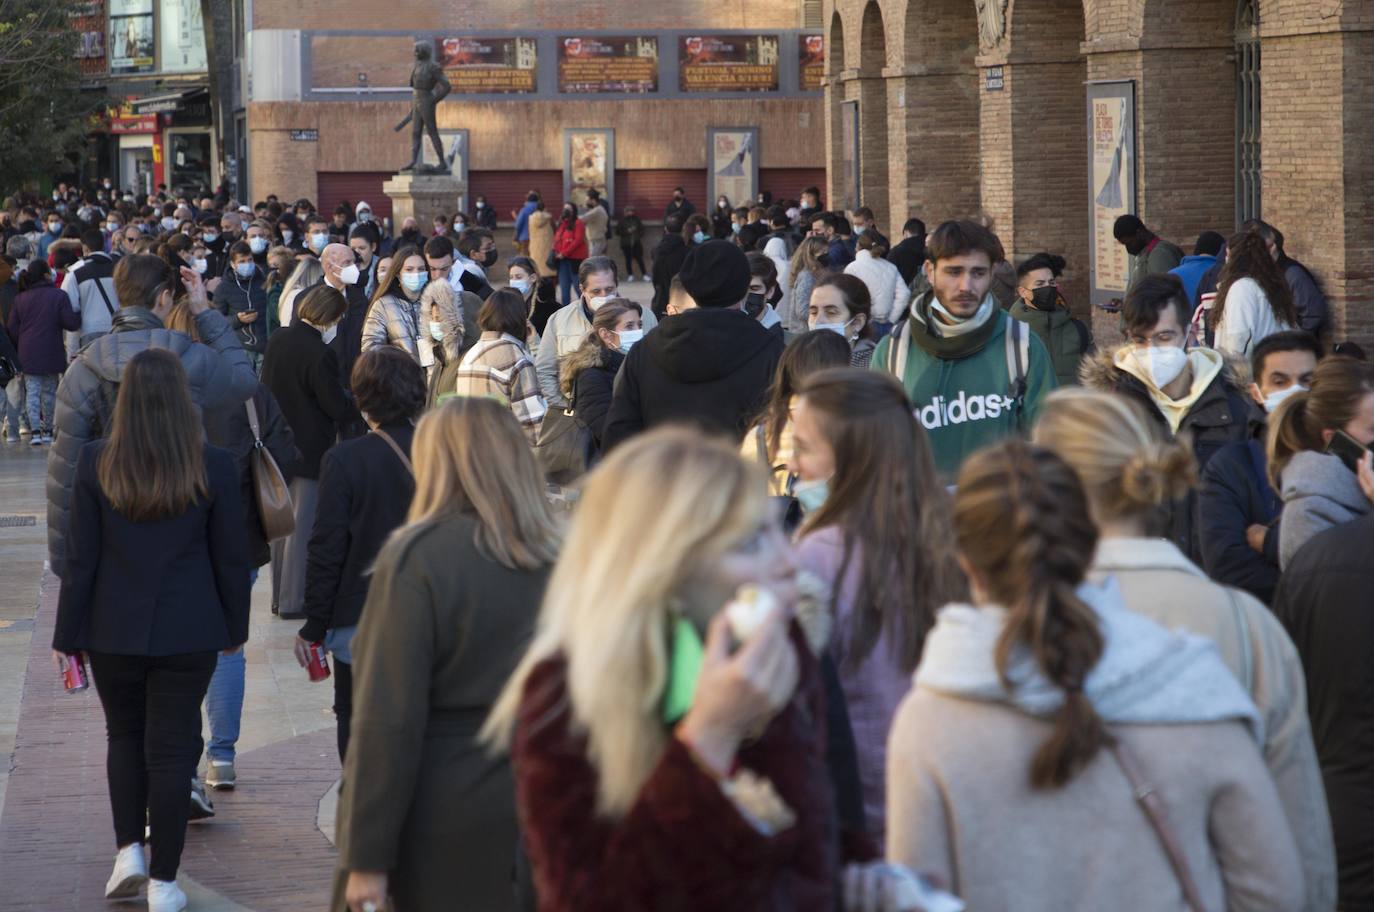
(327, 86)
(980, 105)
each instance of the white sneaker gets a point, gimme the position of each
(165, 896)
(130, 873)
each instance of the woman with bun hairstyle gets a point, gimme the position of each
(1128, 469)
(1030, 704)
(1319, 490)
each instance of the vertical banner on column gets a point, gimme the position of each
(733, 164)
(1111, 183)
(589, 164)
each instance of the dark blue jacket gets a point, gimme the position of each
(235, 295)
(1235, 495)
(161, 587)
(1191, 271)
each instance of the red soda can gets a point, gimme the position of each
(74, 676)
(318, 666)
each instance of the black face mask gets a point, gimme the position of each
(489, 260)
(1046, 298)
(753, 304)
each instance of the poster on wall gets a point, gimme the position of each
(621, 63)
(88, 20)
(181, 38)
(588, 164)
(131, 36)
(1111, 183)
(482, 66)
(810, 62)
(733, 164)
(728, 63)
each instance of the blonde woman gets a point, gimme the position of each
(623, 805)
(808, 267)
(1129, 468)
(308, 272)
(426, 816)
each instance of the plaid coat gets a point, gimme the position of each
(499, 366)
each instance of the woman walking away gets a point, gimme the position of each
(499, 364)
(876, 534)
(588, 374)
(427, 816)
(1046, 706)
(156, 586)
(302, 372)
(1128, 468)
(40, 312)
(570, 247)
(1253, 299)
(1319, 489)
(641, 784)
(366, 485)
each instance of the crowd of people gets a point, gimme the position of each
(844, 574)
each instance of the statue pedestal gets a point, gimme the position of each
(422, 197)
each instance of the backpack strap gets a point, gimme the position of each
(100, 287)
(899, 351)
(1018, 358)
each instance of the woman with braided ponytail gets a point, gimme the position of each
(1130, 469)
(1007, 766)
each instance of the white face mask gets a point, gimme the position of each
(364, 217)
(349, 274)
(200, 264)
(1162, 364)
(596, 303)
(837, 328)
(481, 205)
(286, 236)
(1279, 397)
(436, 331)
(628, 338)
(328, 334)
(169, 223)
(257, 244)
(318, 241)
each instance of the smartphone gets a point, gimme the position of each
(1349, 449)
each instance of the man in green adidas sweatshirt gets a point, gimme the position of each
(969, 381)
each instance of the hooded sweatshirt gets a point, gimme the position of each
(1318, 492)
(961, 807)
(709, 367)
(957, 379)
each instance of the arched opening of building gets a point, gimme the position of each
(873, 113)
(1248, 173)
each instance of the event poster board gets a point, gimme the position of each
(489, 66)
(1111, 183)
(733, 160)
(589, 163)
(728, 63)
(181, 37)
(131, 36)
(810, 62)
(618, 63)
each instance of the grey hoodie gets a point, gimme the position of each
(1147, 675)
(1318, 492)
(219, 372)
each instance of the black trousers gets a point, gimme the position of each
(152, 720)
(634, 255)
(343, 703)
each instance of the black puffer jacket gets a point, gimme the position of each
(706, 367)
(219, 372)
(236, 295)
(587, 380)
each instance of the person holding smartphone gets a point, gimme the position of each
(242, 297)
(1319, 443)
(156, 586)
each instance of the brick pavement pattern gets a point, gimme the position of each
(262, 850)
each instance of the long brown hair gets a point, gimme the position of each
(1339, 386)
(886, 500)
(1248, 257)
(391, 285)
(805, 355)
(153, 465)
(807, 258)
(1022, 524)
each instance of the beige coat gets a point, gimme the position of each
(541, 241)
(596, 221)
(961, 808)
(1158, 581)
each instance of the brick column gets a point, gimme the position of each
(932, 144)
(870, 90)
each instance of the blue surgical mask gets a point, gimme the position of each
(699, 237)
(318, 241)
(628, 338)
(734, 227)
(859, 229)
(811, 495)
(257, 244)
(436, 331)
(245, 270)
(414, 281)
(521, 285)
(208, 237)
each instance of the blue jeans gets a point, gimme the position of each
(224, 701)
(42, 396)
(567, 279)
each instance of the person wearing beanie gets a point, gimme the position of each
(709, 366)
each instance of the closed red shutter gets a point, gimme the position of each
(649, 191)
(505, 191)
(788, 183)
(354, 186)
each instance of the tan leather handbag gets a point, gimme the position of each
(276, 512)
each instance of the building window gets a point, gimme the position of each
(1248, 174)
(810, 14)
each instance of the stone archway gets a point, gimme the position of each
(870, 90)
(834, 99)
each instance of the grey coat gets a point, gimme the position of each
(394, 320)
(1318, 492)
(441, 631)
(219, 372)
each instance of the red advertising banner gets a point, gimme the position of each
(728, 63)
(622, 63)
(478, 66)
